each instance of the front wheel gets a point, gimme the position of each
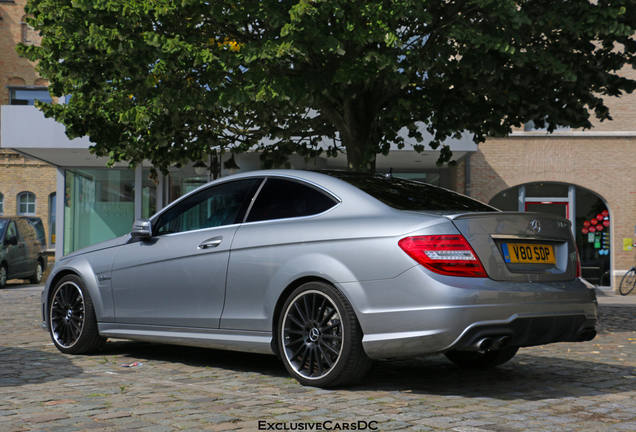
(481, 360)
(72, 320)
(320, 339)
(628, 282)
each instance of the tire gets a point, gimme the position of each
(72, 321)
(3, 275)
(36, 279)
(479, 360)
(320, 339)
(628, 282)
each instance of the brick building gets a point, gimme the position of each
(578, 174)
(27, 185)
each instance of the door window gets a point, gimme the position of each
(11, 231)
(224, 204)
(282, 198)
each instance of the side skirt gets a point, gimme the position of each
(233, 340)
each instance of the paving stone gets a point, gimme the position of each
(561, 387)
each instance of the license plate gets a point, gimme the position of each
(528, 253)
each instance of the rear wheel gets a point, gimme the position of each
(73, 324)
(37, 276)
(320, 337)
(481, 360)
(3, 275)
(628, 282)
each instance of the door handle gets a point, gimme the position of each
(211, 243)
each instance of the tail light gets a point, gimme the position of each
(579, 271)
(449, 255)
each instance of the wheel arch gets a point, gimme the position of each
(101, 300)
(284, 295)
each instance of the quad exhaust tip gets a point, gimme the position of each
(492, 343)
(503, 342)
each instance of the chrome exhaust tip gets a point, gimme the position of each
(503, 342)
(483, 345)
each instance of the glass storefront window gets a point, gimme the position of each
(149, 195)
(183, 181)
(99, 205)
(593, 236)
(52, 224)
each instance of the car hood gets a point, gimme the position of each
(99, 246)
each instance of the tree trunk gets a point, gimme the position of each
(358, 136)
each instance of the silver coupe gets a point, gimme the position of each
(328, 271)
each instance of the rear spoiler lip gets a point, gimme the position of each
(527, 237)
(529, 215)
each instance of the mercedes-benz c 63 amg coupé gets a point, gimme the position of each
(328, 271)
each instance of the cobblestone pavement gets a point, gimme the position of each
(562, 387)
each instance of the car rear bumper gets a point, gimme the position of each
(423, 314)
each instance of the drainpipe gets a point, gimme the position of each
(467, 176)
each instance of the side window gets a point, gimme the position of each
(282, 198)
(224, 204)
(1, 204)
(26, 230)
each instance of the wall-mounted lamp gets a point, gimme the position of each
(199, 167)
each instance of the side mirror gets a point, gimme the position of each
(142, 229)
(11, 240)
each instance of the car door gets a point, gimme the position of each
(177, 277)
(16, 253)
(30, 245)
(276, 231)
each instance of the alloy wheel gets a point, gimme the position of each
(312, 334)
(67, 314)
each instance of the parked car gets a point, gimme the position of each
(20, 251)
(328, 271)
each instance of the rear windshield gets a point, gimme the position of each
(404, 194)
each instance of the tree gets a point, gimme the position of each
(171, 81)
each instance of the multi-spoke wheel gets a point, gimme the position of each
(3, 275)
(479, 360)
(320, 339)
(72, 319)
(37, 276)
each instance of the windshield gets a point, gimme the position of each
(404, 194)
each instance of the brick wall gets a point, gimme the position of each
(18, 173)
(13, 69)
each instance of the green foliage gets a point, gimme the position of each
(171, 81)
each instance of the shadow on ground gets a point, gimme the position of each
(20, 366)
(529, 376)
(196, 357)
